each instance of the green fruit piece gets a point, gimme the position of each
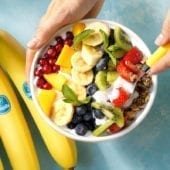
(102, 128)
(122, 39)
(101, 80)
(116, 51)
(111, 66)
(111, 76)
(118, 118)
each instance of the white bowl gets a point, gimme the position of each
(136, 40)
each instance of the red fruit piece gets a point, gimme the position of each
(135, 56)
(122, 98)
(125, 72)
(114, 128)
(132, 67)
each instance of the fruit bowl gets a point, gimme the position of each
(82, 81)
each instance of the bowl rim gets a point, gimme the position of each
(123, 132)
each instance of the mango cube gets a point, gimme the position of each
(46, 99)
(56, 80)
(64, 59)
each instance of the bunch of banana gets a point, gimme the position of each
(1, 165)
(62, 149)
(14, 131)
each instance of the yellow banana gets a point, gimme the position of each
(12, 59)
(1, 165)
(14, 131)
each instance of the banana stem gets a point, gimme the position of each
(68, 168)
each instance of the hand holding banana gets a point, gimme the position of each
(61, 148)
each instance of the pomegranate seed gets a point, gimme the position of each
(69, 35)
(42, 61)
(59, 40)
(68, 41)
(40, 82)
(55, 68)
(38, 72)
(51, 52)
(47, 68)
(47, 86)
(51, 61)
(58, 48)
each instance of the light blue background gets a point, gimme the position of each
(145, 148)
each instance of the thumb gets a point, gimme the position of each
(164, 36)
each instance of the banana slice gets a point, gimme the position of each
(96, 38)
(62, 112)
(79, 64)
(82, 78)
(79, 90)
(91, 55)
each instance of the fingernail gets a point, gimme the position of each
(159, 40)
(32, 43)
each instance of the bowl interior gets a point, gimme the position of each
(136, 40)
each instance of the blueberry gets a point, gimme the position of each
(81, 110)
(81, 129)
(71, 125)
(98, 113)
(88, 116)
(91, 125)
(76, 119)
(102, 64)
(91, 89)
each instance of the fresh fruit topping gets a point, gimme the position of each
(125, 72)
(79, 90)
(79, 64)
(114, 128)
(122, 98)
(101, 80)
(122, 39)
(78, 28)
(91, 55)
(96, 38)
(81, 129)
(46, 99)
(64, 59)
(102, 128)
(111, 76)
(102, 64)
(135, 56)
(98, 113)
(91, 89)
(84, 78)
(62, 112)
(56, 80)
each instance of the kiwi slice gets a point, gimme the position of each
(116, 51)
(102, 128)
(122, 39)
(111, 76)
(101, 80)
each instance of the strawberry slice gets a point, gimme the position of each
(122, 98)
(125, 72)
(135, 56)
(114, 128)
(132, 67)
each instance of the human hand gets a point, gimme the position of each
(58, 14)
(162, 39)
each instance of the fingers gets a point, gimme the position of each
(164, 36)
(161, 65)
(29, 58)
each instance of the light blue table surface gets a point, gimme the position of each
(145, 148)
